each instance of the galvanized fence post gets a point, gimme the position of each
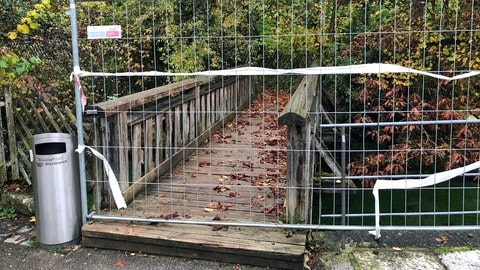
(76, 67)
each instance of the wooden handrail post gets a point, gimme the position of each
(301, 129)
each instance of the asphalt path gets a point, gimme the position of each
(18, 235)
(16, 252)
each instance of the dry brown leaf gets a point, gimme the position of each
(233, 195)
(217, 228)
(219, 189)
(170, 216)
(442, 239)
(203, 164)
(214, 205)
(120, 263)
(247, 164)
(226, 206)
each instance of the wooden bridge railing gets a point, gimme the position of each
(145, 134)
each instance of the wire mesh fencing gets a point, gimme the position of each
(312, 114)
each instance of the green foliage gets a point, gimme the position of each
(34, 244)
(12, 66)
(22, 26)
(186, 36)
(8, 210)
(425, 36)
(55, 249)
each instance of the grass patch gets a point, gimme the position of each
(442, 200)
(34, 244)
(443, 250)
(55, 249)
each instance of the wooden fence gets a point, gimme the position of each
(20, 119)
(144, 135)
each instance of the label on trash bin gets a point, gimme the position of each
(51, 161)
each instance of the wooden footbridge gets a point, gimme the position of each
(203, 168)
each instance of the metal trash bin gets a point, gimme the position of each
(56, 188)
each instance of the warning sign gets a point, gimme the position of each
(104, 32)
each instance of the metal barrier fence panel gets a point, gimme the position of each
(317, 115)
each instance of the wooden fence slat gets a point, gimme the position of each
(3, 160)
(221, 102)
(185, 124)
(137, 158)
(212, 108)
(193, 123)
(87, 127)
(50, 117)
(229, 98)
(197, 112)
(178, 128)
(38, 116)
(25, 163)
(207, 110)
(23, 160)
(241, 94)
(25, 129)
(169, 141)
(27, 113)
(123, 144)
(25, 175)
(63, 120)
(25, 140)
(12, 141)
(149, 144)
(117, 135)
(218, 107)
(159, 138)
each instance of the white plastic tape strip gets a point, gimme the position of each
(112, 179)
(377, 68)
(414, 183)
